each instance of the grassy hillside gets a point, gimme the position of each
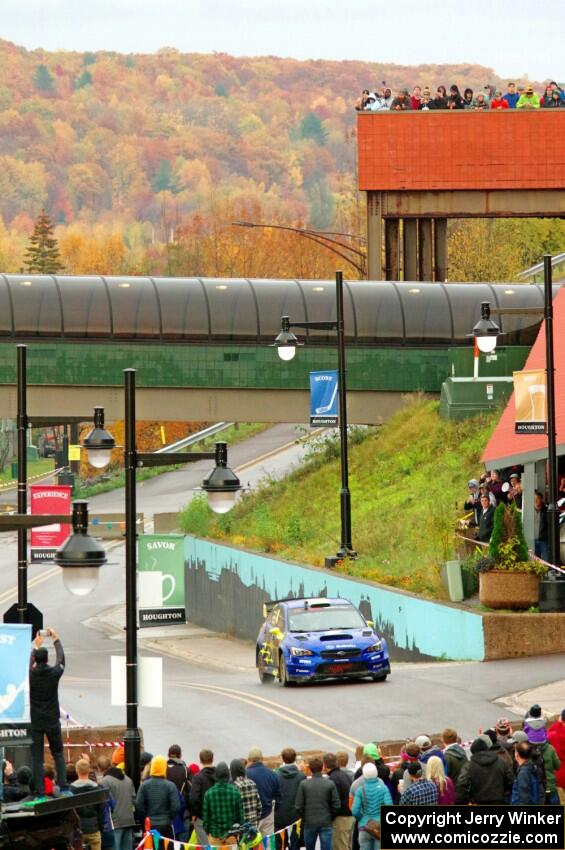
(405, 480)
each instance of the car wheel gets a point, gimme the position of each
(381, 677)
(264, 677)
(283, 675)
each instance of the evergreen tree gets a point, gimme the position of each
(85, 79)
(312, 128)
(42, 79)
(42, 254)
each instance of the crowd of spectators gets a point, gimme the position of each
(320, 799)
(491, 97)
(496, 486)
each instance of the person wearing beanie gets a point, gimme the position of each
(409, 754)
(497, 747)
(119, 758)
(223, 807)
(534, 725)
(486, 779)
(250, 798)
(503, 731)
(367, 802)
(454, 754)
(556, 737)
(122, 792)
(144, 765)
(158, 798)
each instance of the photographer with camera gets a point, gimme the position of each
(45, 712)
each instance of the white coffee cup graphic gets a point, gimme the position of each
(537, 402)
(152, 588)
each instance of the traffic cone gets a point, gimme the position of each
(147, 838)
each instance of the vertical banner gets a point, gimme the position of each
(46, 539)
(323, 398)
(530, 397)
(15, 647)
(160, 564)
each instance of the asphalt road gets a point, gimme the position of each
(222, 704)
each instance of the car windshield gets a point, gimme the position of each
(325, 619)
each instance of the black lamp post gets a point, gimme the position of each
(486, 332)
(221, 487)
(24, 611)
(286, 344)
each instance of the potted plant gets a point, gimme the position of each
(507, 577)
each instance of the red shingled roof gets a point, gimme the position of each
(504, 446)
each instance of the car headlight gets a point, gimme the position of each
(376, 647)
(298, 650)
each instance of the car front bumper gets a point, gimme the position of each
(308, 669)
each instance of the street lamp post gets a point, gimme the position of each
(221, 487)
(286, 344)
(324, 238)
(486, 332)
(24, 611)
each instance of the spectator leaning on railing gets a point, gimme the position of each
(516, 97)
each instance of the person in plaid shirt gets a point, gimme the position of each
(420, 792)
(250, 798)
(222, 807)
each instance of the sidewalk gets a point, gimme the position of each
(551, 697)
(187, 643)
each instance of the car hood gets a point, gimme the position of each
(335, 639)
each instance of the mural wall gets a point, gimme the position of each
(226, 588)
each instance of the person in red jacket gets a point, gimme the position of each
(556, 737)
(498, 102)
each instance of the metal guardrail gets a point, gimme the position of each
(195, 438)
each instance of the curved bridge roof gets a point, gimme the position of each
(216, 310)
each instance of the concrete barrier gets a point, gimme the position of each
(226, 588)
(166, 523)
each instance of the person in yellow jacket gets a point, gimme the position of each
(529, 99)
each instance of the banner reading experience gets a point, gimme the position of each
(530, 397)
(15, 640)
(161, 579)
(46, 539)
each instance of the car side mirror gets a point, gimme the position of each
(370, 623)
(275, 632)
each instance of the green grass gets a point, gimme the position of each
(406, 479)
(232, 435)
(34, 467)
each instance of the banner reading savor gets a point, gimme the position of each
(161, 579)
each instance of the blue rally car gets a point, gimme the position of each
(304, 640)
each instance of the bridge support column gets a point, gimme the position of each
(440, 249)
(425, 248)
(410, 248)
(392, 254)
(374, 236)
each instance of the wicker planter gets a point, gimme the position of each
(499, 589)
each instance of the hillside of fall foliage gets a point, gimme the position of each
(143, 161)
